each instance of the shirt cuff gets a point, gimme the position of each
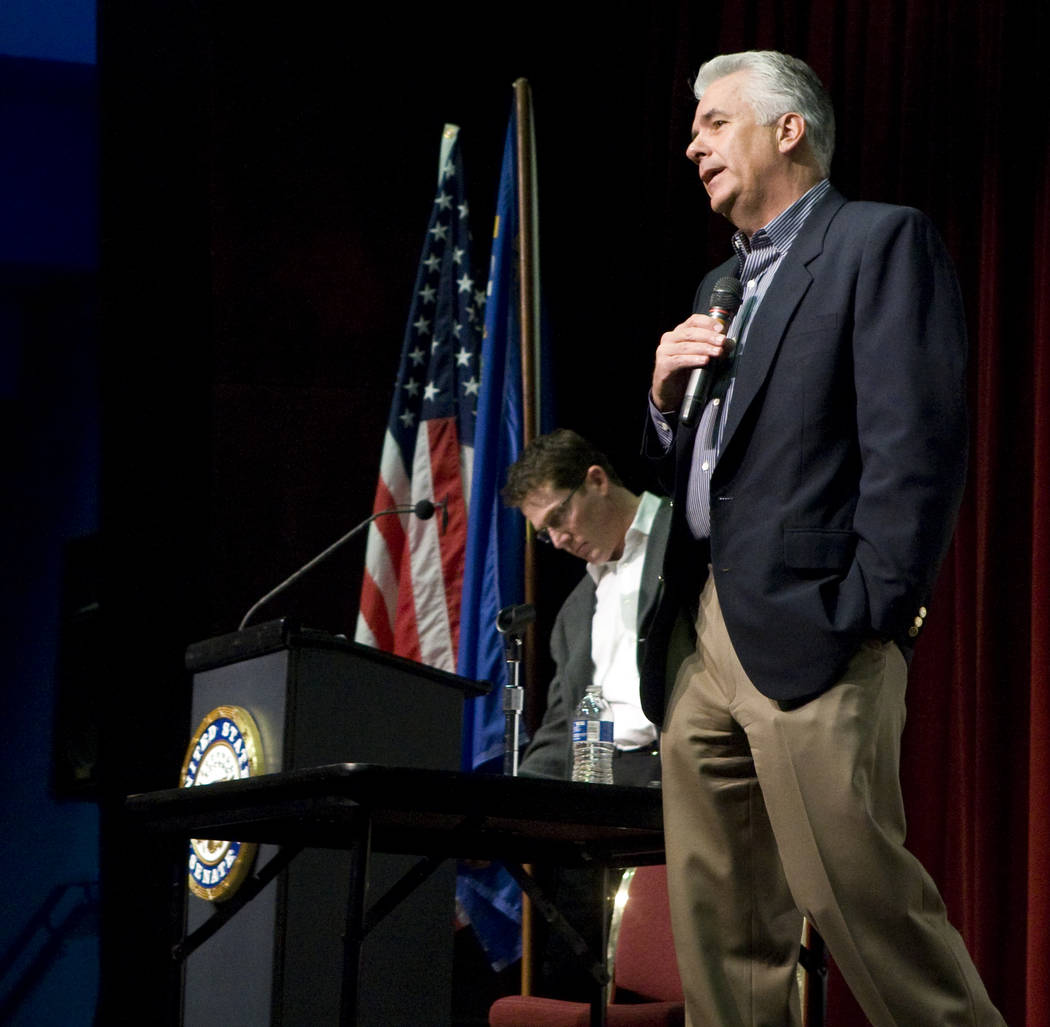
(664, 423)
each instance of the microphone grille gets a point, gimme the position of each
(424, 509)
(727, 294)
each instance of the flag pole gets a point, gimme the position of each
(528, 278)
(527, 257)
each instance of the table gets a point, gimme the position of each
(434, 814)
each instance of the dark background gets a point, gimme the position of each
(266, 177)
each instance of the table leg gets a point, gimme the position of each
(354, 932)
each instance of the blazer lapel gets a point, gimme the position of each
(789, 285)
(651, 586)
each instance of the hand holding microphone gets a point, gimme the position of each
(725, 301)
(679, 349)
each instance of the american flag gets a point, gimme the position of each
(410, 596)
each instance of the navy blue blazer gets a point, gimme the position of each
(844, 455)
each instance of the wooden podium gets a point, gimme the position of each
(317, 699)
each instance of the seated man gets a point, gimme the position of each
(576, 502)
(574, 499)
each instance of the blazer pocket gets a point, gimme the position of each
(811, 324)
(828, 549)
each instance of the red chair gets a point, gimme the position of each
(646, 990)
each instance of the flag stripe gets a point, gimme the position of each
(448, 486)
(429, 612)
(378, 607)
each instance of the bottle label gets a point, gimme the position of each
(592, 730)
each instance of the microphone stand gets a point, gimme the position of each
(511, 623)
(424, 510)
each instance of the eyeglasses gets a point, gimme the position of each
(556, 518)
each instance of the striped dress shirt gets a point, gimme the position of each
(758, 259)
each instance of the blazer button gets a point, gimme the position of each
(913, 631)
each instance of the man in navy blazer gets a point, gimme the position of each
(815, 495)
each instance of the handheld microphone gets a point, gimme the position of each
(724, 303)
(424, 510)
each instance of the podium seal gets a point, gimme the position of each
(225, 747)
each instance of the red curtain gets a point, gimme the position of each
(942, 106)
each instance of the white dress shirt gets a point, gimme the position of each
(614, 630)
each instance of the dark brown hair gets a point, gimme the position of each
(559, 459)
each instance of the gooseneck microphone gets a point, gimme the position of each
(424, 510)
(725, 301)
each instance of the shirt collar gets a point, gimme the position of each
(782, 231)
(641, 526)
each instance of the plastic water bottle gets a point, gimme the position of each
(592, 739)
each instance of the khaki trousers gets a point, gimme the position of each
(771, 814)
